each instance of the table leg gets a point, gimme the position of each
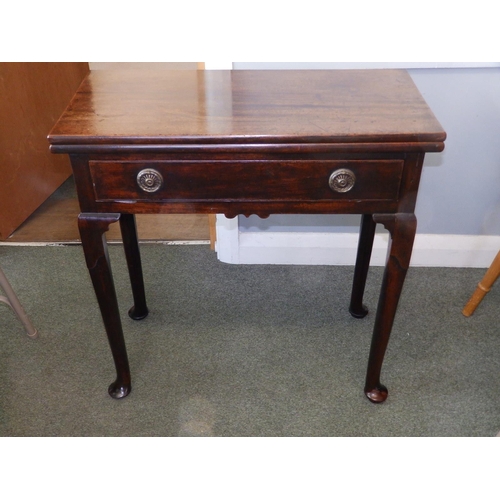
(131, 246)
(402, 228)
(92, 228)
(365, 245)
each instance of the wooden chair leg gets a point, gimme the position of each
(483, 287)
(13, 302)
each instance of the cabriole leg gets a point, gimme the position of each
(92, 228)
(402, 228)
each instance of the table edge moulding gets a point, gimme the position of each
(238, 142)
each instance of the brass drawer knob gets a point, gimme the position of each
(149, 180)
(342, 180)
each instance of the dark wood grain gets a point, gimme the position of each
(402, 228)
(248, 142)
(92, 228)
(365, 246)
(130, 243)
(253, 107)
(277, 180)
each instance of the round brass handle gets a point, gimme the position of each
(149, 180)
(342, 180)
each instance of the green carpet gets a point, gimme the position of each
(243, 351)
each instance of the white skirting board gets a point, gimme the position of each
(339, 249)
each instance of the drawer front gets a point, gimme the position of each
(257, 180)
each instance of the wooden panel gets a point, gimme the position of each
(215, 107)
(32, 97)
(246, 180)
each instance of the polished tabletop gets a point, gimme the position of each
(240, 106)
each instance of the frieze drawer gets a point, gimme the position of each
(250, 180)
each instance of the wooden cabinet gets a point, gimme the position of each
(32, 97)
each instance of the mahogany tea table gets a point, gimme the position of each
(248, 142)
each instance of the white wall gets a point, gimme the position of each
(458, 208)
